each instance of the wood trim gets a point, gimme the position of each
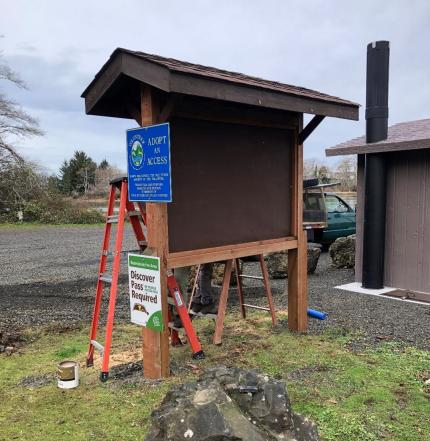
(294, 186)
(233, 113)
(379, 147)
(211, 88)
(102, 83)
(207, 255)
(147, 72)
(155, 345)
(234, 120)
(409, 295)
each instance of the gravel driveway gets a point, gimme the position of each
(48, 275)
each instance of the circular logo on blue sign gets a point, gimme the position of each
(136, 153)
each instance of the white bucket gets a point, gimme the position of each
(68, 374)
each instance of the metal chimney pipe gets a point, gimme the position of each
(378, 57)
(378, 54)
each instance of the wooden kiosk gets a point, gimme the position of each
(237, 161)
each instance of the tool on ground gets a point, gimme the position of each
(137, 216)
(317, 314)
(219, 317)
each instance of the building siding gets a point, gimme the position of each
(407, 238)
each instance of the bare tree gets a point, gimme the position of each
(315, 168)
(15, 123)
(346, 173)
(103, 175)
(21, 182)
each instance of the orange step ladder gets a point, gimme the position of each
(137, 216)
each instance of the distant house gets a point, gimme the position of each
(406, 153)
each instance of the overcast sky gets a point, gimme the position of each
(58, 46)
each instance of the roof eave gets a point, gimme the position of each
(382, 147)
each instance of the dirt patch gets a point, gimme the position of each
(11, 338)
(307, 371)
(61, 328)
(126, 357)
(129, 374)
(35, 381)
(10, 342)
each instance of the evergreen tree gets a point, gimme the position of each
(65, 185)
(78, 174)
(104, 164)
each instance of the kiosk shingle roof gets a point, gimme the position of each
(235, 77)
(110, 90)
(410, 135)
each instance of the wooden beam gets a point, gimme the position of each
(297, 258)
(222, 111)
(312, 125)
(134, 113)
(219, 323)
(297, 286)
(155, 345)
(169, 107)
(181, 82)
(207, 255)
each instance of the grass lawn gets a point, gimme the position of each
(374, 394)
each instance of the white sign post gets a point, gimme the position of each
(145, 291)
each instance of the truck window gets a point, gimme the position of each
(335, 205)
(313, 207)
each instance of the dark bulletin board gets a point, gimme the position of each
(231, 184)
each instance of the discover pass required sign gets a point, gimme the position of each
(145, 291)
(148, 164)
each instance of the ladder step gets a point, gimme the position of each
(98, 346)
(134, 213)
(170, 301)
(112, 219)
(199, 314)
(245, 276)
(262, 308)
(171, 326)
(143, 243)
(105, 278)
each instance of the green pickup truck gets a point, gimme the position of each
(326, 216)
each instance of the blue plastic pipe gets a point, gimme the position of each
(317, 314)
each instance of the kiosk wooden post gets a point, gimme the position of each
(155, 345)
(297, 257)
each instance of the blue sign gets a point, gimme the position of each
(148, 163)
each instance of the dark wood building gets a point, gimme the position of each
(237, 164)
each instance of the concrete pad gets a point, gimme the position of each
(356, 287)
(384, 292)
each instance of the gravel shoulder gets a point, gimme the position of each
(48, 275)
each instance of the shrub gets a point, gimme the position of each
(54, 211)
